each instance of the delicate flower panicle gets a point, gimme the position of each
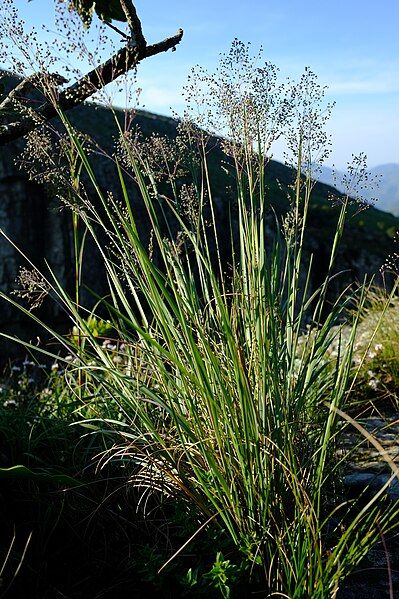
(357, 180)
(391, 263)
(33, 287)
(241, 100)
(306, 135)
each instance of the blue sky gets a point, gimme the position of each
(352, 45)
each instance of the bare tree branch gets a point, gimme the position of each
(124, 60)
(137, 38)
(21, 88)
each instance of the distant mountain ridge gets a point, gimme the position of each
(386, 192)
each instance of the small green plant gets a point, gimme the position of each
(97, 327)
(223, 575)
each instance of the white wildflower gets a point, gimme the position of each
(27, 362)
(10, 403)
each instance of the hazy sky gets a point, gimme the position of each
(352, 45)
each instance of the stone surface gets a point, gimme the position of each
(377, 576)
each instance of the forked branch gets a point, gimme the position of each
(136, 34)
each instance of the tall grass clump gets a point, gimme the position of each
(228, 399)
